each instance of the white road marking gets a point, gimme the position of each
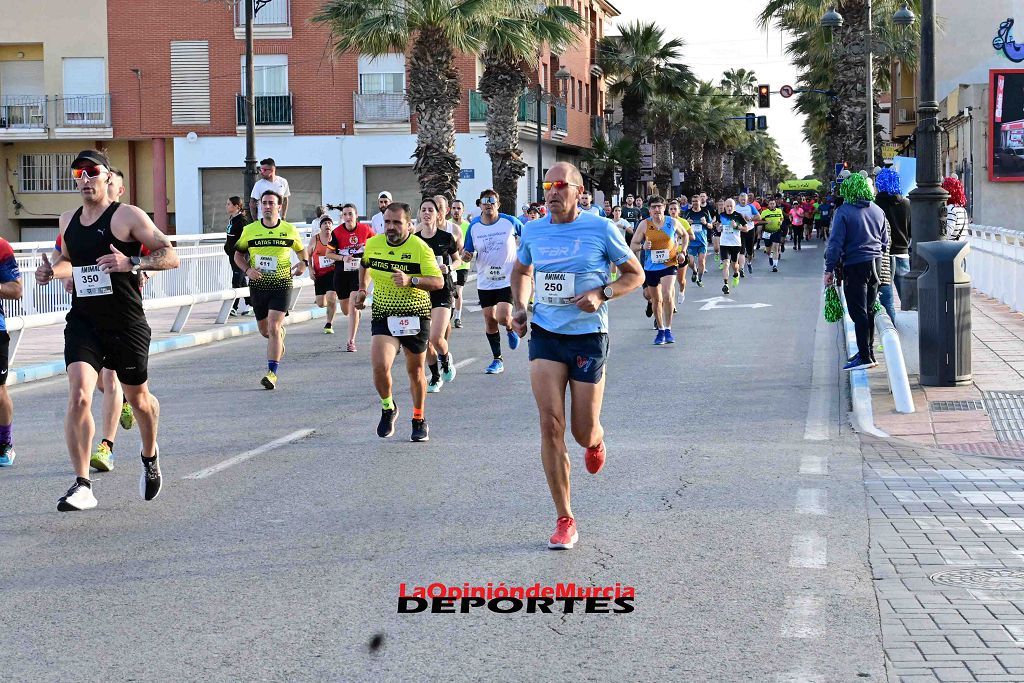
(719, 302)
(801, 675)
(464, 362)
(813, 464)
(811, 502)
(242, 457)
(816, 427)
(474, 309)
(809, 551)
(801, 618)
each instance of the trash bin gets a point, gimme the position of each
(944, 314)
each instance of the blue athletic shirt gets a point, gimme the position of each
(8, 273)
(581, 249)
(700, 234)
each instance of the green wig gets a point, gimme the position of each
(856, 188)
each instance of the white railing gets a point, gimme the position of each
(996, 263)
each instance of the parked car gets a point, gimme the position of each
(1008, 159)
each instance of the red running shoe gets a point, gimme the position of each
(565, 535)
(595, 458)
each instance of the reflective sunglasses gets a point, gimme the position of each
(559, 184)
(488, 200)
(86, 172)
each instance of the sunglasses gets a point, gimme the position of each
(488, 200)
(86, 172)
(558, 184)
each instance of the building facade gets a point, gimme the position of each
(338, 126)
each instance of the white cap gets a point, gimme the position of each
(864, 174)
(844, 174)
(384, 195)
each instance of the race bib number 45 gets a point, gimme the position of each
(91, 281)
(403, 325)
(555, 289)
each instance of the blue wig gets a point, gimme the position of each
(888, 181)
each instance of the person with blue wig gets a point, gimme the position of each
(897, 211)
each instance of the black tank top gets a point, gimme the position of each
(443, 244)
(84, 245)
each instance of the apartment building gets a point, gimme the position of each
(339, 127)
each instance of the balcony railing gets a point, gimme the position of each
(274, 13)
(22, 111)
(271, 110)
(561, 117)
(381, 107)
(528, 109)
(905, 110)
(85, 111)
(596, 126)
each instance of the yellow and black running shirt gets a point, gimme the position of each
(270, 253)
(772, 219)
(413, 257)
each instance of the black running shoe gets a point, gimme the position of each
(725, 289)
(650, 310)
(457, 323)
(693, 278)
(386, 427)
(150, 481)
(420, 432)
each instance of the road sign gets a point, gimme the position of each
(718, 303)
(646, 177)
(467, 174)
(646, 149)
(889, 151)
(786, 91)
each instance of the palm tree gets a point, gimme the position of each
(512, 40)
(604, 159)
(437, 30)
(641, 63)
(741, 83)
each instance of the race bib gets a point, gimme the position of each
(91, 281)
(351, 263)
(659, 255)
(495, 273)
(325, 262)
(403, 325)
(266, 264)
(555, 289)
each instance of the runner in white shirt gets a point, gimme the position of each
(377, 222)
(269, 180)
(749, 237)
(492, 238)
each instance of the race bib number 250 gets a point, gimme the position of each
(555, 289)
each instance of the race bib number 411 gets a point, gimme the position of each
(555, 289)
(91, 281)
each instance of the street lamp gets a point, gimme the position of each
(834, 20)
(562, 75)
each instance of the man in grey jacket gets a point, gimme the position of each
(859, 237)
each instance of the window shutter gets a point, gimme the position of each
(190, 82)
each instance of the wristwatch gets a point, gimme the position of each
(306, 261)
(607, 292)
(414, 281)
(136, 263)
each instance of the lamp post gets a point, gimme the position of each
(562, 75)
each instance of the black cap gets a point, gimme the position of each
(91, 157)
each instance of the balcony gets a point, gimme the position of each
(83, 116)
(386, 112)
(272, 20)
(22, 117)
(528, 109)
(561, 121)
(271, 110)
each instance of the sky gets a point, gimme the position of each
(723, 34)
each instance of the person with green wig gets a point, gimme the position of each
(858, 240)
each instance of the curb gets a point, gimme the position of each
(863, 416)
(32, 373)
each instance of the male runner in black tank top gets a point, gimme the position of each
(106, 326)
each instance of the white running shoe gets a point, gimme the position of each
(79, 497)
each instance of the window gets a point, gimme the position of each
(380, 75)
(579, 87)
(587, 99)
(190, 82)
(270, 75)
(85, 86)
(572, 91)
(46, 172)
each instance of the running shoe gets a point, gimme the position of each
(79, 497)
(669, 339)
(693, 278)
(328, 329)
(495, 368)
(736, 280)
(858, 364)
(127, 415)
(7, 455)
(351, 348)
(102, 458)
(660, 338)
(680, 299)
(565, 535)
(595, 457)
(742, 273)
(434, 385)
(420, 431)
(233, 313)
(725, 289)
(150, 482)
(386, 426)
(750, 268)
(457, 323)
(513, 339)
(448, 371)
(650, 310)
(269, 380)
(700, 282)
(775, 269)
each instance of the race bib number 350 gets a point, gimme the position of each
(555, 289)
(91, 281)
(403, 325)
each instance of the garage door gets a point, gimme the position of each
(400, 181)
(220, 183)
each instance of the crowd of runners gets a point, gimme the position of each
(408, 265)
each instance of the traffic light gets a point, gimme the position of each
(751, 121)
(762, 123)
(764, 96)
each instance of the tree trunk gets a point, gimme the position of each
(501, 85)
(847, 139)
(632, 129)
(434, 96)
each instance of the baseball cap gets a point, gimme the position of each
(845, 173)
(384, 195)
(91, 157)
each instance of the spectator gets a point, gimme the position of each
(630, 212)
(607, 208)
(236, 221)
(586, 206)
(269, 180)
(377, 222)
(859, 239)
(897, 211)
(956, 208)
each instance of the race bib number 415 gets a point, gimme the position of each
(91, 281)
(555, 289)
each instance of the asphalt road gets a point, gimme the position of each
(746, 543)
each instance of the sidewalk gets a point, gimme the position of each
(985, 417)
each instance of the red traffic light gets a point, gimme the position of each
(764, 96)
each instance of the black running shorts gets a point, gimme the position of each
(460, 277)
(345, 282)
(323, 283)
(266, 300)
(124, 350)
(729, 253)
(414, 343)
(5, 350)
(493, 297)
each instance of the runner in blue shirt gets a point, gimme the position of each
(563, 261)
(700, 221)
(10, 288)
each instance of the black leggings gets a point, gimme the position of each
(860, 285)
(798, 235)
(238, 280)
(749, 243)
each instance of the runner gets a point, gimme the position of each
(676, 215)
(462, 272)
(659, 238)
(796, 219)
(808, 207)
(630, 211)
(567, 254)
(377, 222)
(588, 207)
(733, 225)
(264, 250)
(492, 237)
(700, 220)
(773, 235)
(10, 288)
(403, 269)
(446, 251)
(348, 240)
(320, 250)
(748, 238)
(717, 239)
(106, 326)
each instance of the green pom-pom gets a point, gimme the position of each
(833, 306)
(877, 308)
